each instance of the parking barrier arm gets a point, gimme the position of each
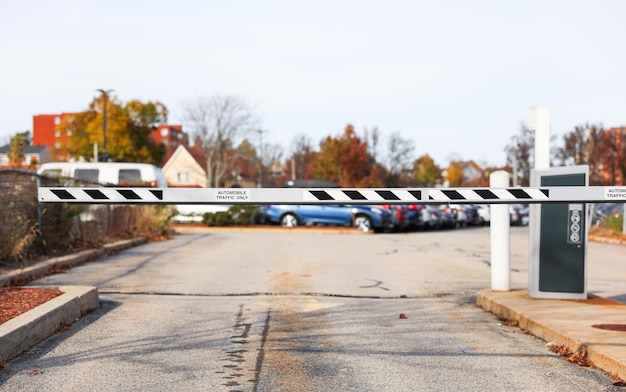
(511, 195)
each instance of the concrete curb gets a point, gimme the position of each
(41, 269)
(565, 323)
(36, 325)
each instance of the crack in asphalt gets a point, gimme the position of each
(284, 294)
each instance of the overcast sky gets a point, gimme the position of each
(455, 77)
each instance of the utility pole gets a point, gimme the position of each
(515, 145)
(260, 181)
(105, 155)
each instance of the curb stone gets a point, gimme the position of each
(71, 260)
(24, 331)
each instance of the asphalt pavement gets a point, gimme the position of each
(590, 332)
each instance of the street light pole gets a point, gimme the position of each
(515, 146)
(105, 155)
(260, 184)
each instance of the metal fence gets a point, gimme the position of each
(29, 229)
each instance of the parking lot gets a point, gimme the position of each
(239, 309)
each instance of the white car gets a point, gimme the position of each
(194, 212)
(484, 214)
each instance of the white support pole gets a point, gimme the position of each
(500, 237)
(540, 123)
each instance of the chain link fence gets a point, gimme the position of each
(30, 229)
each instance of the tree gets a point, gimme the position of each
(426, 172)
(217, 123)
(519, 155)
(132, 142)
(587, 144)
(128, 131)
(454, 174)
(372, 138)
(246, 163)
(345, 160)
(302, 157)
(272, 153)
(399, 156)
(17, 149)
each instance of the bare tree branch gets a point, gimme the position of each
(218, 123)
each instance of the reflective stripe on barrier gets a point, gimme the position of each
(332, 195)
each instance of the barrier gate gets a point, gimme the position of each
(514, 195)
(553, 277)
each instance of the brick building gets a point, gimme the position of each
(45, 133)
(171, 136)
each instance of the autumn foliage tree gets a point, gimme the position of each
(17, 149)
(426, 172)
(345, 160)
(455, 174)
(128, 130)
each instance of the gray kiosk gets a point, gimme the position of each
(558, 238)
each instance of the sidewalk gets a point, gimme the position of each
(595, 327)
(36, 325)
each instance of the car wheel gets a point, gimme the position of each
(289, 220)
(363, 223)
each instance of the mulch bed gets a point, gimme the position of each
(18, 300)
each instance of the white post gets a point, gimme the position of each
(540, 123)
(500, 237)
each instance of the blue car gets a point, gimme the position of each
(364, 218)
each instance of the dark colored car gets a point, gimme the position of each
(465, 214)
(432, 217)
(400, 216)
(364, 218)
(519, 214)
(415, 216)
(447, 219)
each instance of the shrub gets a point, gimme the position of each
(244, 215)
(220, 218)
(153, 220)
(236, 215)
(16, 243)
(615, 222)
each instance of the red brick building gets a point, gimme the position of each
(45, 133)
(171, 136)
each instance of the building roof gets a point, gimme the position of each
(36, 149)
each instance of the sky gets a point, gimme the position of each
(455, 77)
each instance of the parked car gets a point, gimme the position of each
(432, 217)
(364, 218)
(399, 214)
(447, 219)
(602, 211)
(519, 214)
(107, 173)
(464, 214)
(484, 214)
(415, 216)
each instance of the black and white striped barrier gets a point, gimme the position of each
(591, 194)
